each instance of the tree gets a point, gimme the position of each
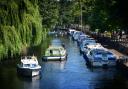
(49, 12)
(18, 20)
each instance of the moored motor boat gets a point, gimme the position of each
(90, 46)
(28, 66)
(55, 53)
(86, 42)
(101, 57)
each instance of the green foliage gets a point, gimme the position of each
(20, 25)
(67, 12)
(101, 14)
(49, 12)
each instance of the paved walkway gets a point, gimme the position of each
(117, 53)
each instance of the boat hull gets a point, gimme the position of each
(54, 58)
(102, 63)
(29, 72)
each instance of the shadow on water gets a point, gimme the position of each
(29, 79)
(29, 83)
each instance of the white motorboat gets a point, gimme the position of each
(91, 46)
(76, 35)
(28, 66)
(84, 43)
(55, 53)
(82, 37)
(71, 31)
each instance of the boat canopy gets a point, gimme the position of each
(55, 51)
(29, 60)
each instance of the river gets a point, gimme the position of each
(70, 74)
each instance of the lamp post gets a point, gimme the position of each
(81, 17)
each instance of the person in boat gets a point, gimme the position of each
(51, 52)
(34, 57)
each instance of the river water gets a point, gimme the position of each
(70, 74)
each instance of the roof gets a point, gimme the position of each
(55, 47)
(29, 60)
(97, 45)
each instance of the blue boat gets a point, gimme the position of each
(101, 57)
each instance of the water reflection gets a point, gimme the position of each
(30, 83)
(53, 66)
(56, 41)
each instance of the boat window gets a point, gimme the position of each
(91, 53)
(33, 65)
(26, 65)
(56, 52)
(85, 47)
(51, 51)
(28, 57)
(86, 44)
(98, 53)
(109, 53)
